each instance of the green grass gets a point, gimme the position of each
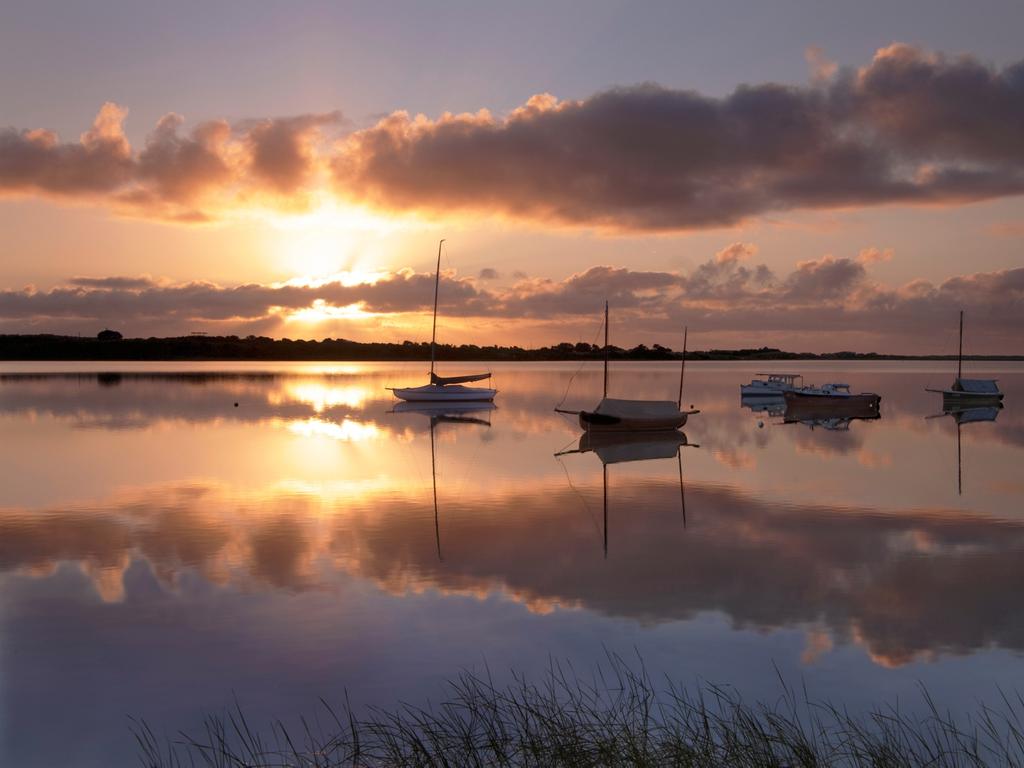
(614, 716)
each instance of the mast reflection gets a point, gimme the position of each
(962, 414)
(623, 447)
(445, 413)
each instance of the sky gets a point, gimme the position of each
(810, 176)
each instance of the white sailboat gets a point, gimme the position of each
(634, 415)
(981, 391)
(444, 388)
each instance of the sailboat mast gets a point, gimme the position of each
(437, 285)
(960, 351)
(682, 370)
(606, 349)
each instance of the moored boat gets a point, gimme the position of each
(830, 400)
(771, 384)
(968, 391)
(444, 388)
(634, 415)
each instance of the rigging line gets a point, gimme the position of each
(572, 378)
(582, 498)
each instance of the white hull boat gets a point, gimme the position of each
(444, 389)
(434, 393)
(772, 385)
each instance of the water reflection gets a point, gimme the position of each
(622, 447)
(445, 413)
(318, 522)
(966, 414)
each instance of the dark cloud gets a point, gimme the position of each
(822, 279)
(909, 127)
(489, 273)
(113, 283)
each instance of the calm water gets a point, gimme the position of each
(163, 551)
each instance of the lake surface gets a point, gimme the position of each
(164, 551)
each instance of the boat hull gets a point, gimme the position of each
(803, 405)
(603, 422)
(957, 396)
(436, 393)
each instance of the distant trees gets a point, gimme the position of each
(53, 347)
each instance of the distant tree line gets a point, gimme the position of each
(195, 347)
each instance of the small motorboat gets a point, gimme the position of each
(830, 400)
(771, 384)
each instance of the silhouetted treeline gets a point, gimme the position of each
(53, 347)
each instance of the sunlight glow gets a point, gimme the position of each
(324, 396)
(320, 311)
(333, 242)
(347, 431)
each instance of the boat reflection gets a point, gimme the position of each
(440, 412)
(622, 447)
(832, 416)
(773, 405)
(962, 413)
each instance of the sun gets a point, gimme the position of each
(333, 241)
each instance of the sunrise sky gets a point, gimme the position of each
(812, 176)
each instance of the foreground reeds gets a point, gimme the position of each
(614, 717)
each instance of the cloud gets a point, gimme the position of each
(99, 162)
(822, 299)
(822, 67)
(215, 168)
(874, 255)
(112, 283)
(282, 152)
(910, 127)
(489, 273)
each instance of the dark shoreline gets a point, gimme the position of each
(198, 348)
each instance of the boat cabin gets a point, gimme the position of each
(976, 386)
(789, 379)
